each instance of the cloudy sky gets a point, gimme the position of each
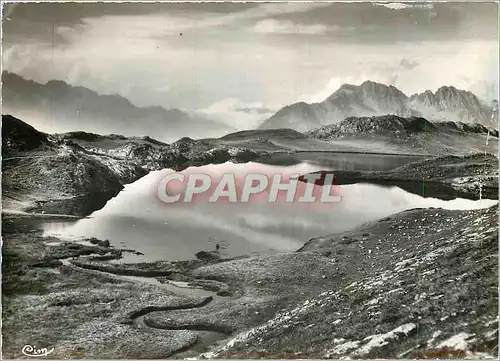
(249, 59)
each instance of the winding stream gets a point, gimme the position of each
(205, 336)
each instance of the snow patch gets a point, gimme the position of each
(457, 342)
(376, 341)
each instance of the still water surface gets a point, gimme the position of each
(136, 219)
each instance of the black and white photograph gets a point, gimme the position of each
(250, 180)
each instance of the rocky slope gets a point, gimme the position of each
(420, 284)
(77, 173)
(375, 99)
(413, 132)
(58, 106)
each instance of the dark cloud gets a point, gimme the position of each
(70, 13)
(37, 21)
(368, 22)
(343, 22)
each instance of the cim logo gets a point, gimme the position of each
(33, 351)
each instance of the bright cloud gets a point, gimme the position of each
(271, 26)
(238, 114)
(402, 6)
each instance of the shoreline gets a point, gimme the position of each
(409, 155)
(473, 176)
(22, 214)
(446, 177)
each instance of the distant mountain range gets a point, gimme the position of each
(57, 106)
(375, 99)
(60, 107)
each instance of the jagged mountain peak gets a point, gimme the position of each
(367, 86)
(444, 91)
(379, 89)
(450, 88)
(451, 104)
(371, 98)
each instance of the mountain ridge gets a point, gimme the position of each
(57, 106)
(375, 99)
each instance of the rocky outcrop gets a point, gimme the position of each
(386, 125)
(392, 125)
(154, 155)
(257, 134)
(18, 136)
(413, 132)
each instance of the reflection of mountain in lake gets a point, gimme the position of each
(178, 231)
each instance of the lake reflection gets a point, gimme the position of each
(136, 218)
